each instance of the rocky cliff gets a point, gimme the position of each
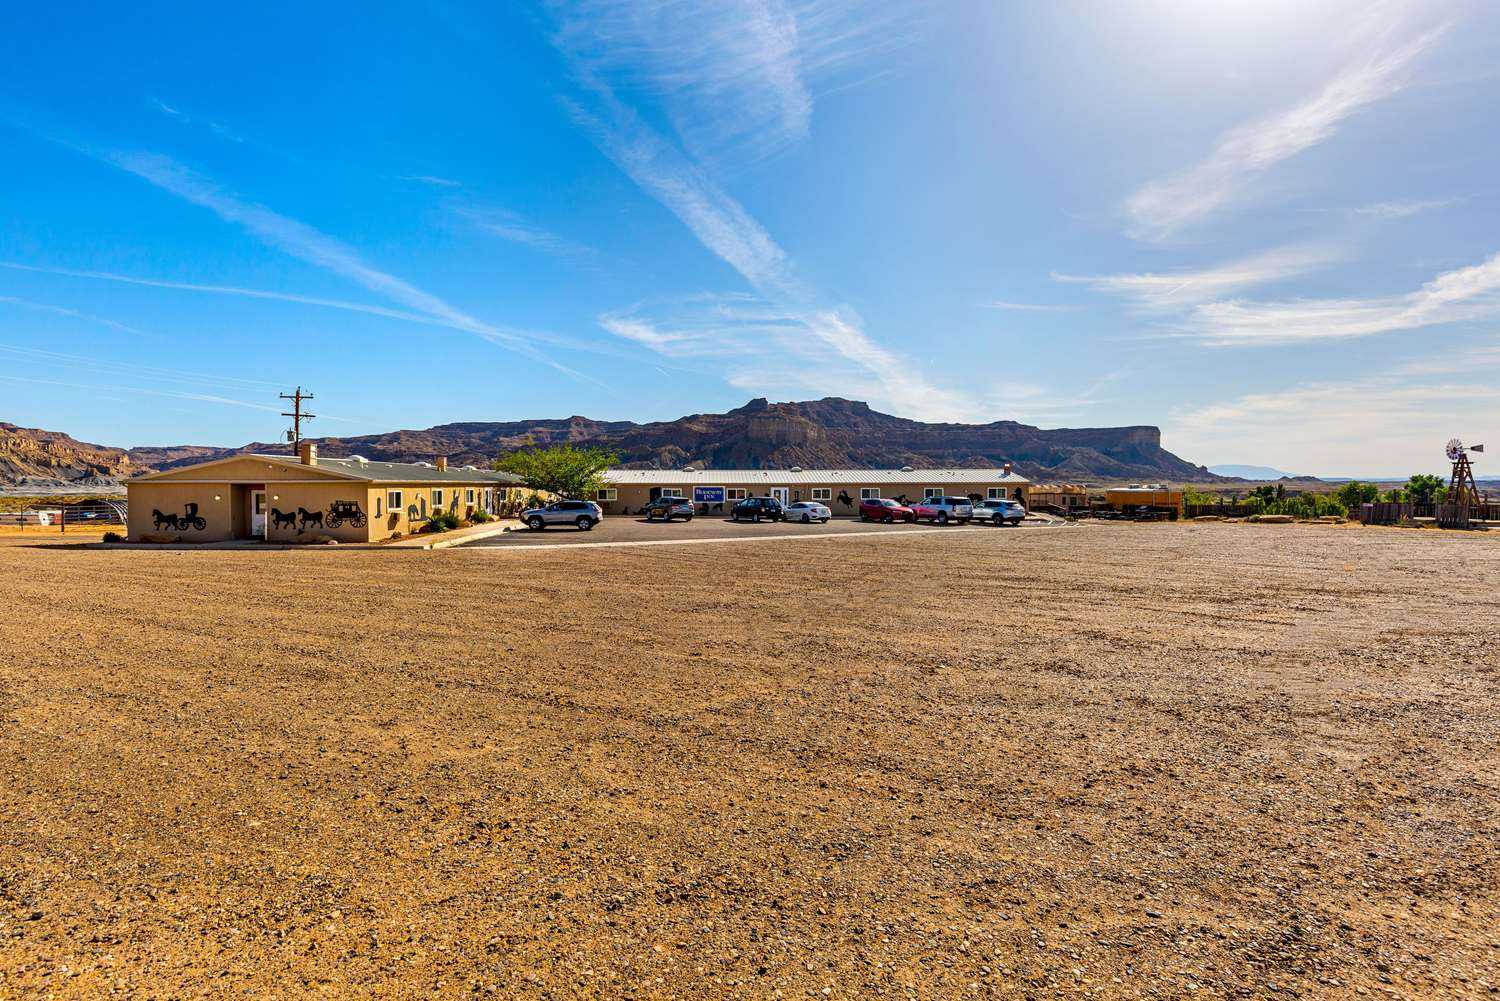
(33, 458)
(830, 432)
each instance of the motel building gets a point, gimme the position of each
(304, 498)
(715, 491)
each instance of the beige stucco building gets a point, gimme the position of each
(716, 490)
(303, 498)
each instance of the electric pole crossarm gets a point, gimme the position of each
(297, 414)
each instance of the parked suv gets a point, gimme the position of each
(668, 508)
(756, 508)
(584, 514)
(941, 510)
(999, 512)
(884, 509)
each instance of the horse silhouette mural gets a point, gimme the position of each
(283, 519)
(306, 518)
(845, 499)
(189, 519)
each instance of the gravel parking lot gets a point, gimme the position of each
(629, 528)
(1165, 762)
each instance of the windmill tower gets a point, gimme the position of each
(1463, 492)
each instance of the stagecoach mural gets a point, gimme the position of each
(189, 519)
(339, 513)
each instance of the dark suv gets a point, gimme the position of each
(756, 508)
(669, 508)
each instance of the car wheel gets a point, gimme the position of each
(942, 518)
(888, 519)
(687, 517)
(585, 523)
(806, 519)
(755, 518)
(535, 523)
(1016, 523)
(998, 520)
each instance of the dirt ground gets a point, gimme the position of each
(1160, 761)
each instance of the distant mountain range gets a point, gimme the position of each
(1252, 472)
(823, 433)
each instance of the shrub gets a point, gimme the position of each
(113, 537)
(441, 521)
(478, 518)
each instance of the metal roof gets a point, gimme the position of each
(787, 477)
(404, 472)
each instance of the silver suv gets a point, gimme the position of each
(999, 511)
(584, 514)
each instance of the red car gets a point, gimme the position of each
(884, 509)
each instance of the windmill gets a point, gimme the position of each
(1462, 490)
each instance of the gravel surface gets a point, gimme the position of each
(1123, 760)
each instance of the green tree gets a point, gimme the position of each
(1423, 487)
(563, 470)
(1354, 493)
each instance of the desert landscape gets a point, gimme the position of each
(1187, 760)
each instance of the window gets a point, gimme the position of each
(671, 492)
(869, 493)
(606, 494)
(996, 493)
(469, 496)
(822, 493)
(928, 493)
(437, 500)
(393, 500)
(734, 494)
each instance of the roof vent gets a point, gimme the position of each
(907, 469)
(472, 467)
(689, 469)
(359, 459)
(427, 464)
(795, 469)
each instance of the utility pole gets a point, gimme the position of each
(295, 434)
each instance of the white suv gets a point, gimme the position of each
(941, 510)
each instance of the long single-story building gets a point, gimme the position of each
(299, 498)
(716, 490)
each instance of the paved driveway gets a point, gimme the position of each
(627, 529)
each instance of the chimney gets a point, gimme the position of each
(308, 453)
(1007, 468)
(442, 463)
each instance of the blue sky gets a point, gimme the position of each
(1268, 227)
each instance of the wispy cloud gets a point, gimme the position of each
(308, 244)
(1025, 307)
(44, 307)
(1465, 294)
(738, 77)
(213, 398)
(1162, 290)
(1402, 210)
(217, 128)
(685, 187)
(535, 336)
(1389, 423)
(430, 179)
(1172, 203)
(508, 225)
(799, 350)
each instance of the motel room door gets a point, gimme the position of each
(781, 494)
(257, 514)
